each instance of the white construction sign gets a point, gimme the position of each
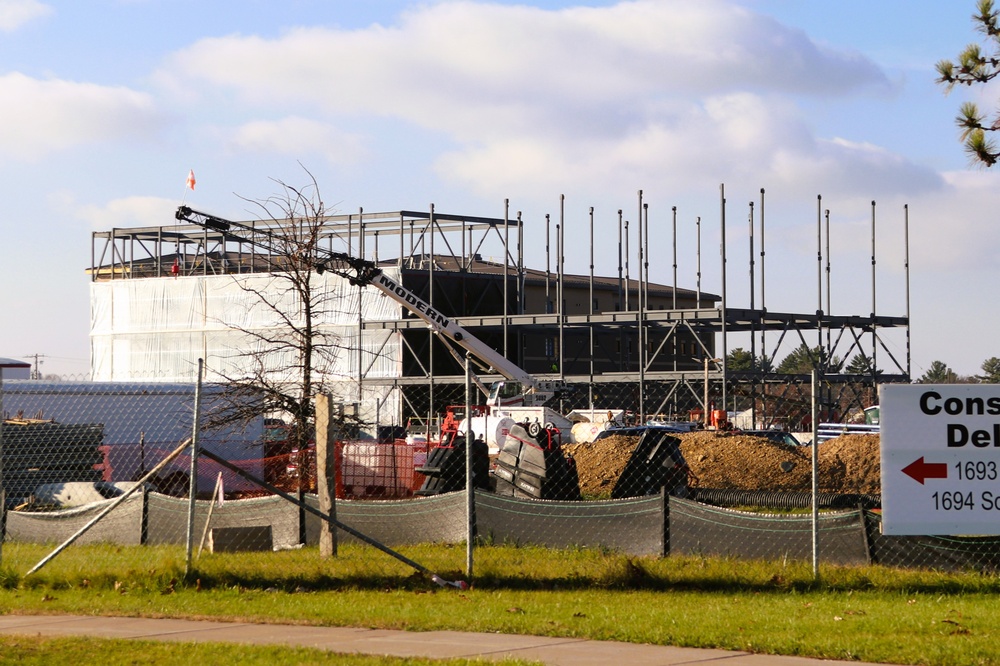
(940, 448)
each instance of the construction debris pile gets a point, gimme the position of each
(731, 460)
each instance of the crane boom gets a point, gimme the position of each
(362, 272)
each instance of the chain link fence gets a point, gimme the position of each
(134, 464)
(86, 462)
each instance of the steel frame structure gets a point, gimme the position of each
(419, 238)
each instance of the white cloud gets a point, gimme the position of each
(742, 139)
(533, 98)
(955, 228)
(534, 102)
(41, 117)
(15, 13)
(297, 137)
(137, 211)
(462, 67)
(951, 228)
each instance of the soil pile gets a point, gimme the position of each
(599, 464)
(744, 462)
(847, 464)
(858, 458)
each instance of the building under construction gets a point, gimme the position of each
(163, 297)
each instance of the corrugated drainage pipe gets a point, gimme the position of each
(771, 499)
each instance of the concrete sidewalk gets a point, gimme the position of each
(435, 644)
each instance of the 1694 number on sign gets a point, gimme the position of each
(953, 500)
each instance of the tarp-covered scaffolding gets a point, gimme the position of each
(157, 328)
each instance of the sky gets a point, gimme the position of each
(553, 106)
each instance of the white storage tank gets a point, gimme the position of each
(493, 428)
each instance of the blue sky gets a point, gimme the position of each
(396, 105)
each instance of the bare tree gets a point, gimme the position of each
(280, 366)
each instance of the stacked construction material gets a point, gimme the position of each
(532, 465)
(445, 468)
(39, 452)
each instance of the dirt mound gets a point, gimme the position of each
(744, 462)
(847, 464)
(600, 463)
(860, 459)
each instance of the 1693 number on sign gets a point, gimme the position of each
(978, 470)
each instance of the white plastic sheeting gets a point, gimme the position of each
(156, 329)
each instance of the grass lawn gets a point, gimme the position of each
(869, 614)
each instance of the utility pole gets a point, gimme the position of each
(36, 368)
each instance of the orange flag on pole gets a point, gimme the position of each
(190, 180)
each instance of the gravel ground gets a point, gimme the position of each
(847, 464)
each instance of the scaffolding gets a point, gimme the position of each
(682, 336)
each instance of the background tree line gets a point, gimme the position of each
(803, 359)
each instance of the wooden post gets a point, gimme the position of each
(326, 467)
(144, 520)
(665, 499)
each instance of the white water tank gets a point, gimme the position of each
(493, 428)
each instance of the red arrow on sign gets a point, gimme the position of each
(920, 470)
